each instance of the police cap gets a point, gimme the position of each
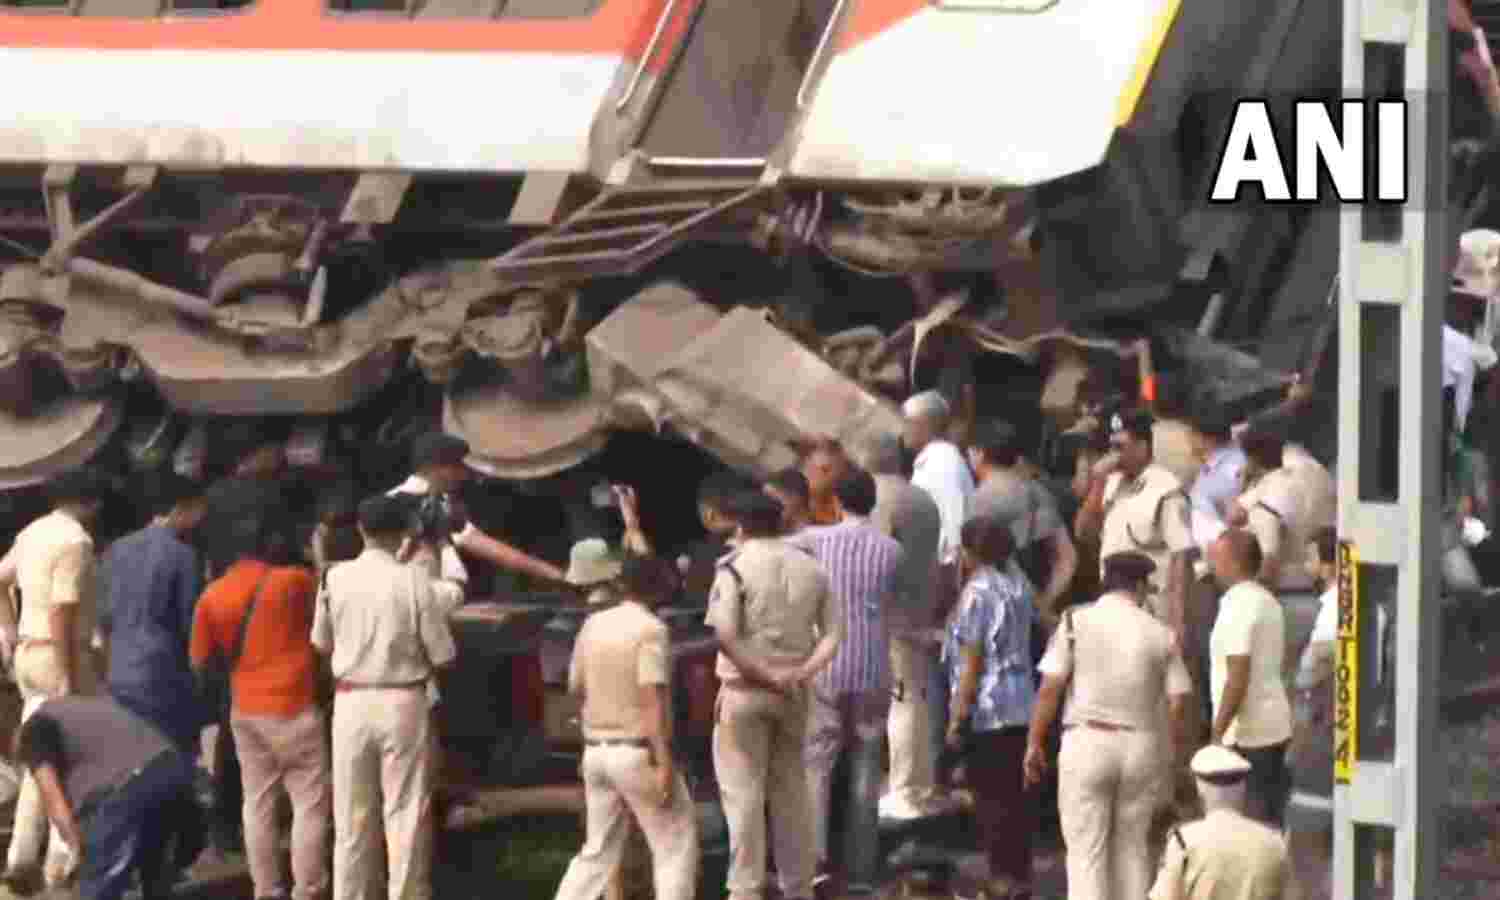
(383, 514)
(1137, 422)
(1219, 765)
(1128, 565)
(438, 448)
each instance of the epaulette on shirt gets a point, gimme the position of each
(1175, 835)
(725, 563)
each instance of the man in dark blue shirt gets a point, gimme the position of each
(151, 580)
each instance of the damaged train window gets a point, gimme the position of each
(1001, 6)
(471, 9)
(209, 5)
(128, 9)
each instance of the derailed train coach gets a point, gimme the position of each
(541, 223)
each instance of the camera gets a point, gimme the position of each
(435, 520)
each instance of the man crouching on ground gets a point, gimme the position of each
(112, 785)
(622, 669)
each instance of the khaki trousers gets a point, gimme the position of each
(1109, 788)
(291, 754)
(619, 782)
(384, 768)
(759, 737)
(39, 677)
(913, 774)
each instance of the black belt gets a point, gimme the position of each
(617, 742)
(97, 796)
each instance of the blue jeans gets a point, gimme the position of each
(126, 831)
(937, 710)
(849, 727)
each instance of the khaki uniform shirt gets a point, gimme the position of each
(619, 651)
(1317, 484)
(1277, 507)
(55, 566)
(381, 621)
(1123, 663)
(1148, 515)
(777, 599)
(1223, 856)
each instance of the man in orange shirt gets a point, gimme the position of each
(278, 730)
(825, 464)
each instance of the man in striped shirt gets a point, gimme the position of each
(851, 698)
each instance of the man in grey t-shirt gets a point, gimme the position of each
(113, 785)
(1023, 504)
(917, 719)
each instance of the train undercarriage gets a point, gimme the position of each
(143, 306)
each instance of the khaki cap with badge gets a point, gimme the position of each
(1219, 765)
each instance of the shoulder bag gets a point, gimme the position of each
(214, 682)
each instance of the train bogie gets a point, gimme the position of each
(282, 207)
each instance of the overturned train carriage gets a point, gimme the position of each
(511, 216)
(280, 208)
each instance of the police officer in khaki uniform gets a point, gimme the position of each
(1126, 688)
(1276, 507)
(1226, 855)
(53, 569)
(1283, 505)
(1135, 504)
(778, 625)
(622, 669)
(386, 636)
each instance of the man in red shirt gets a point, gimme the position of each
(278, 730)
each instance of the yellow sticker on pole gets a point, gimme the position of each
(1346, 667)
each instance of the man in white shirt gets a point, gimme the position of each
(1252, 713)
(438, 461)
(940, 468)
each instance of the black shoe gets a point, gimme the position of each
(23, 880)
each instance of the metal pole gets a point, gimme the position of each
(1393, 290)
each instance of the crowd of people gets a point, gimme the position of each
(937, 609)
(947, 617)
(930, 610)
(306, 673)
